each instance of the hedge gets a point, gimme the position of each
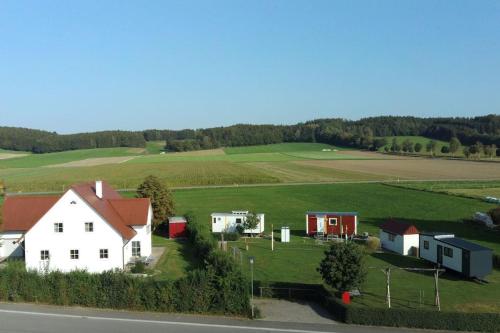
(359, 315)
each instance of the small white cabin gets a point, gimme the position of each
(227, 222)
(399, 237)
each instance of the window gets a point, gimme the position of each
(44, 255)
(215, 220)
(74, 254)
(448, 252)
(238, 220)
(103, 254)
(136, 249)
(58, 227)
(392, 237)
(332, 221)
(89, 227)
(426, 245)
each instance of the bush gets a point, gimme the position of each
(496, 261)
(495, 215)
(228, 236)
(373, 243)
(139, 267)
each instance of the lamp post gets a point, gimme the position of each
(251, 259)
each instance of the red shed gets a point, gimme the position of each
(332, 223)
(177, 227)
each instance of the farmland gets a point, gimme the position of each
(280, 163)
(297, 261)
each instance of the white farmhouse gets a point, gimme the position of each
(227, 222)
(399, 237)
(90, 227)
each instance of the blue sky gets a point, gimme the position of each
(72, 66)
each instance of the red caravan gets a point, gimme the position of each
(332, 223)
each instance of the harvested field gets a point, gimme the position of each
(5, 156)
(92, 162)
(415, 168)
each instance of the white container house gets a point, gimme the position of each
(228, 222)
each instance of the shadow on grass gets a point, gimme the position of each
(187, 252)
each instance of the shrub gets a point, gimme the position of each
(139, 267)
(228, 236)
(373, 243)
(496, 261)
(495, 215)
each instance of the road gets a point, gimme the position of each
(17, 318)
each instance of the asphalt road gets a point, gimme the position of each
(24, 318)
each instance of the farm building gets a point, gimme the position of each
(399, 237)
(470, 259)
(332, 223)
(177, 227)
(228, 222)
(90, 227)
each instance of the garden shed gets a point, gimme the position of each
(177, 227)
(399, 237)
(332, 223)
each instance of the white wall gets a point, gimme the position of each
(9, 245)
(455, 262)
(409, 242)
(395, 246)
(144, 236)
(227, 223)
(431, 253)
(73, 217)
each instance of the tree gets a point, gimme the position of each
(467, 152)
(490, 151)
(395, 147)
(343, 266)
(454, 145)
(445, 149)
(251, 221)
(408, 146)
(418, 147)
(160, 196)
(431, 147)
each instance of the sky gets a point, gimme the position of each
(74, 66)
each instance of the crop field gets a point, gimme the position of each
(281, 163)
(297, 261)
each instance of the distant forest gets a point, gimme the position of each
(361, 133)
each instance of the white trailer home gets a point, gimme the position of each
(445, 250)
(227, 222)
(399, 237)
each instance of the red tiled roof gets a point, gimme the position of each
(21, 213)
(399, 228)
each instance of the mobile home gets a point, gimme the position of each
(332, 223)
(445, 250)
(228, 222)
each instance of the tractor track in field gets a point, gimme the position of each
(176, 188)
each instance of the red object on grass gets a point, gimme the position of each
(346, 297)
(177, 227)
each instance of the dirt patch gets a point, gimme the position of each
(415, 168)
(92, 162)
(7, 156)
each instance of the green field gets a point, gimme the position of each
(278, 148)
(297, 261)
(473, 189)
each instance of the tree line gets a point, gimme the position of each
(361, 133)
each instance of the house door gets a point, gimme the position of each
(440, 254)
(320, 224)
(466, 263)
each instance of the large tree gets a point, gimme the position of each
(343, 266)
(431, 147)
(454, 145)
(160, 196)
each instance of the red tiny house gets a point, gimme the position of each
(332, 223)
(177, 227)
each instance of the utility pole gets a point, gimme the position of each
(436, 279)
(387, 273)
(251, 294)
(272, 238)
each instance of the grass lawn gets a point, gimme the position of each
(177, 259)
(278, 148)
(297, 261)
(155, 147)
(477, 189)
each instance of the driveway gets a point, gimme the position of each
(296, 312)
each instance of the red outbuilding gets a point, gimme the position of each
(177, 227)
(332, 223)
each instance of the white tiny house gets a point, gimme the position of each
(399, 237)
(228, 222)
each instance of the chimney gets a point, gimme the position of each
(98, 188)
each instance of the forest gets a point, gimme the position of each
(361, 133)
